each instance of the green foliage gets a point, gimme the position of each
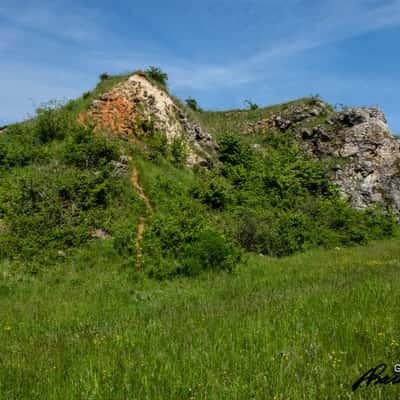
(104, 76)
(214, 191)
(181, 240)
(178, 152)
(51, 122)
(58, 185)
(281, 202)
(192, 104)
(157, 146)
(85, 149)
(251, 105)
(232, 151)
(157, 75)
(18, 147)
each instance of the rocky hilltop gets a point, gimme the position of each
(107, 175)
(364, 155)
(370, 169)
(137, 100)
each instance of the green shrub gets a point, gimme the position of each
(192, 103)
(157, 75)
(210, 250)
(104, 76)
(283, 202)
(212, 190)
(251, 105)
(232, 151)
(85, 149)
(178, 152)
(51, 122)
(157, 146)
(179, 238)
(18, 147)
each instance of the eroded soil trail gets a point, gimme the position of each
(136, 184)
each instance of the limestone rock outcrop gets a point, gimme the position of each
(357, 141)
(136, 99)
(370, 172)
(367, 155)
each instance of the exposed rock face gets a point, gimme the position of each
(199, 140)
(372, 172)
(367, 154)
(121, 109)
(288, 119)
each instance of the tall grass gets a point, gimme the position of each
(302, 327)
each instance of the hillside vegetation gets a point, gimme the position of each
(295, 294)
(64, 186)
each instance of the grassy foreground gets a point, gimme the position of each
(302, 327)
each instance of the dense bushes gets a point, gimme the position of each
(60, 187)
(282, 202)
(60, 181)
(52, 122)
(157, 75)
(18, 147)
(192, 104)
(181, 240)
(84, 149)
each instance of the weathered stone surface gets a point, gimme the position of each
(288, 119)
(136, 99)
(369, 169)
(370, 173)
(99, 234)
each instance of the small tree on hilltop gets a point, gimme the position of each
(192, 103)
(251, 105)
(157, 74)
(104, 76)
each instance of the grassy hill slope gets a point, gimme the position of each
(64, 186)
(288, 299)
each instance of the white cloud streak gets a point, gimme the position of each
(55, 18)
(347, 19)
(329, 22)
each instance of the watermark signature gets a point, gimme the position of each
(379, 376)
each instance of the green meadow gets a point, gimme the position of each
(300, 327)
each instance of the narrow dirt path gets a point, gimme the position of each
(138, 187)
(139, 237)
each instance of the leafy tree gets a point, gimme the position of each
(104, 76)
(251, 105)
(192, 103)
(157, 74)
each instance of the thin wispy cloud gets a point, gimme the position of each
(218, 50)
(328, 28)
(54, 18)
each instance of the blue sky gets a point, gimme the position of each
(218, 51)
